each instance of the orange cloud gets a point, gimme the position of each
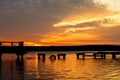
(68, 39)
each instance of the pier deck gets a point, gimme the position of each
(19, 49)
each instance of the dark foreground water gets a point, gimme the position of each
(68, 69)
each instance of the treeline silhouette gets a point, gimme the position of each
(74, 48)
(62, 48)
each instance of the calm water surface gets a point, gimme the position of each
(68, 69)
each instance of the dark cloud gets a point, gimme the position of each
(22, 18)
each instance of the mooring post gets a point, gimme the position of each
(41, 55)
(83, 56)
(22, 57)
(104, 55)
(94, 54)
(18, 56)
(78, 55)
(63, 55)
(113, 55)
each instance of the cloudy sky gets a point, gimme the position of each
(60, 22)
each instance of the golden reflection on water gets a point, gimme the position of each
(68, 69)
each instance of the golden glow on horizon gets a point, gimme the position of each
(69, 37)
(31, 44)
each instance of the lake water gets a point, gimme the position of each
(68, 69)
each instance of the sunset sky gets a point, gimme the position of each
(60, 22)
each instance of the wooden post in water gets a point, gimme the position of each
(78, 55)
(64, 56)
(101, 54)
(0, 50)
(104, 55)
(41, 55)
(22, 57)
(113, 55)
(94, 54)
(18, 56)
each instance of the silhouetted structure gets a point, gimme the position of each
(78, 55)
(52, 57)
(20, 49)
(63, 55)
(100, 54)
(41, 56)
(12, 47)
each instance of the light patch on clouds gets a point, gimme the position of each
(78, 29)
(112, 4)
(111, 21)
(71, 23)
(107, 21)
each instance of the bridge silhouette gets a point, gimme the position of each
(19, 49)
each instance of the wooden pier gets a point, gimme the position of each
(100, 55)
(12, 47)
(98, 51)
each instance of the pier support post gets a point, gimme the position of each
(0, 50)
(104, 55)
(113, 55)
(39, 56)
(83, 55)
(64, 56)
(20, 56)
(101, 54)
(94, 54)
(0, 58)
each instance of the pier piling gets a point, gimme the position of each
(113, 55)
(41, 55)
(102, 55)
(78, 55)
(64, 56)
